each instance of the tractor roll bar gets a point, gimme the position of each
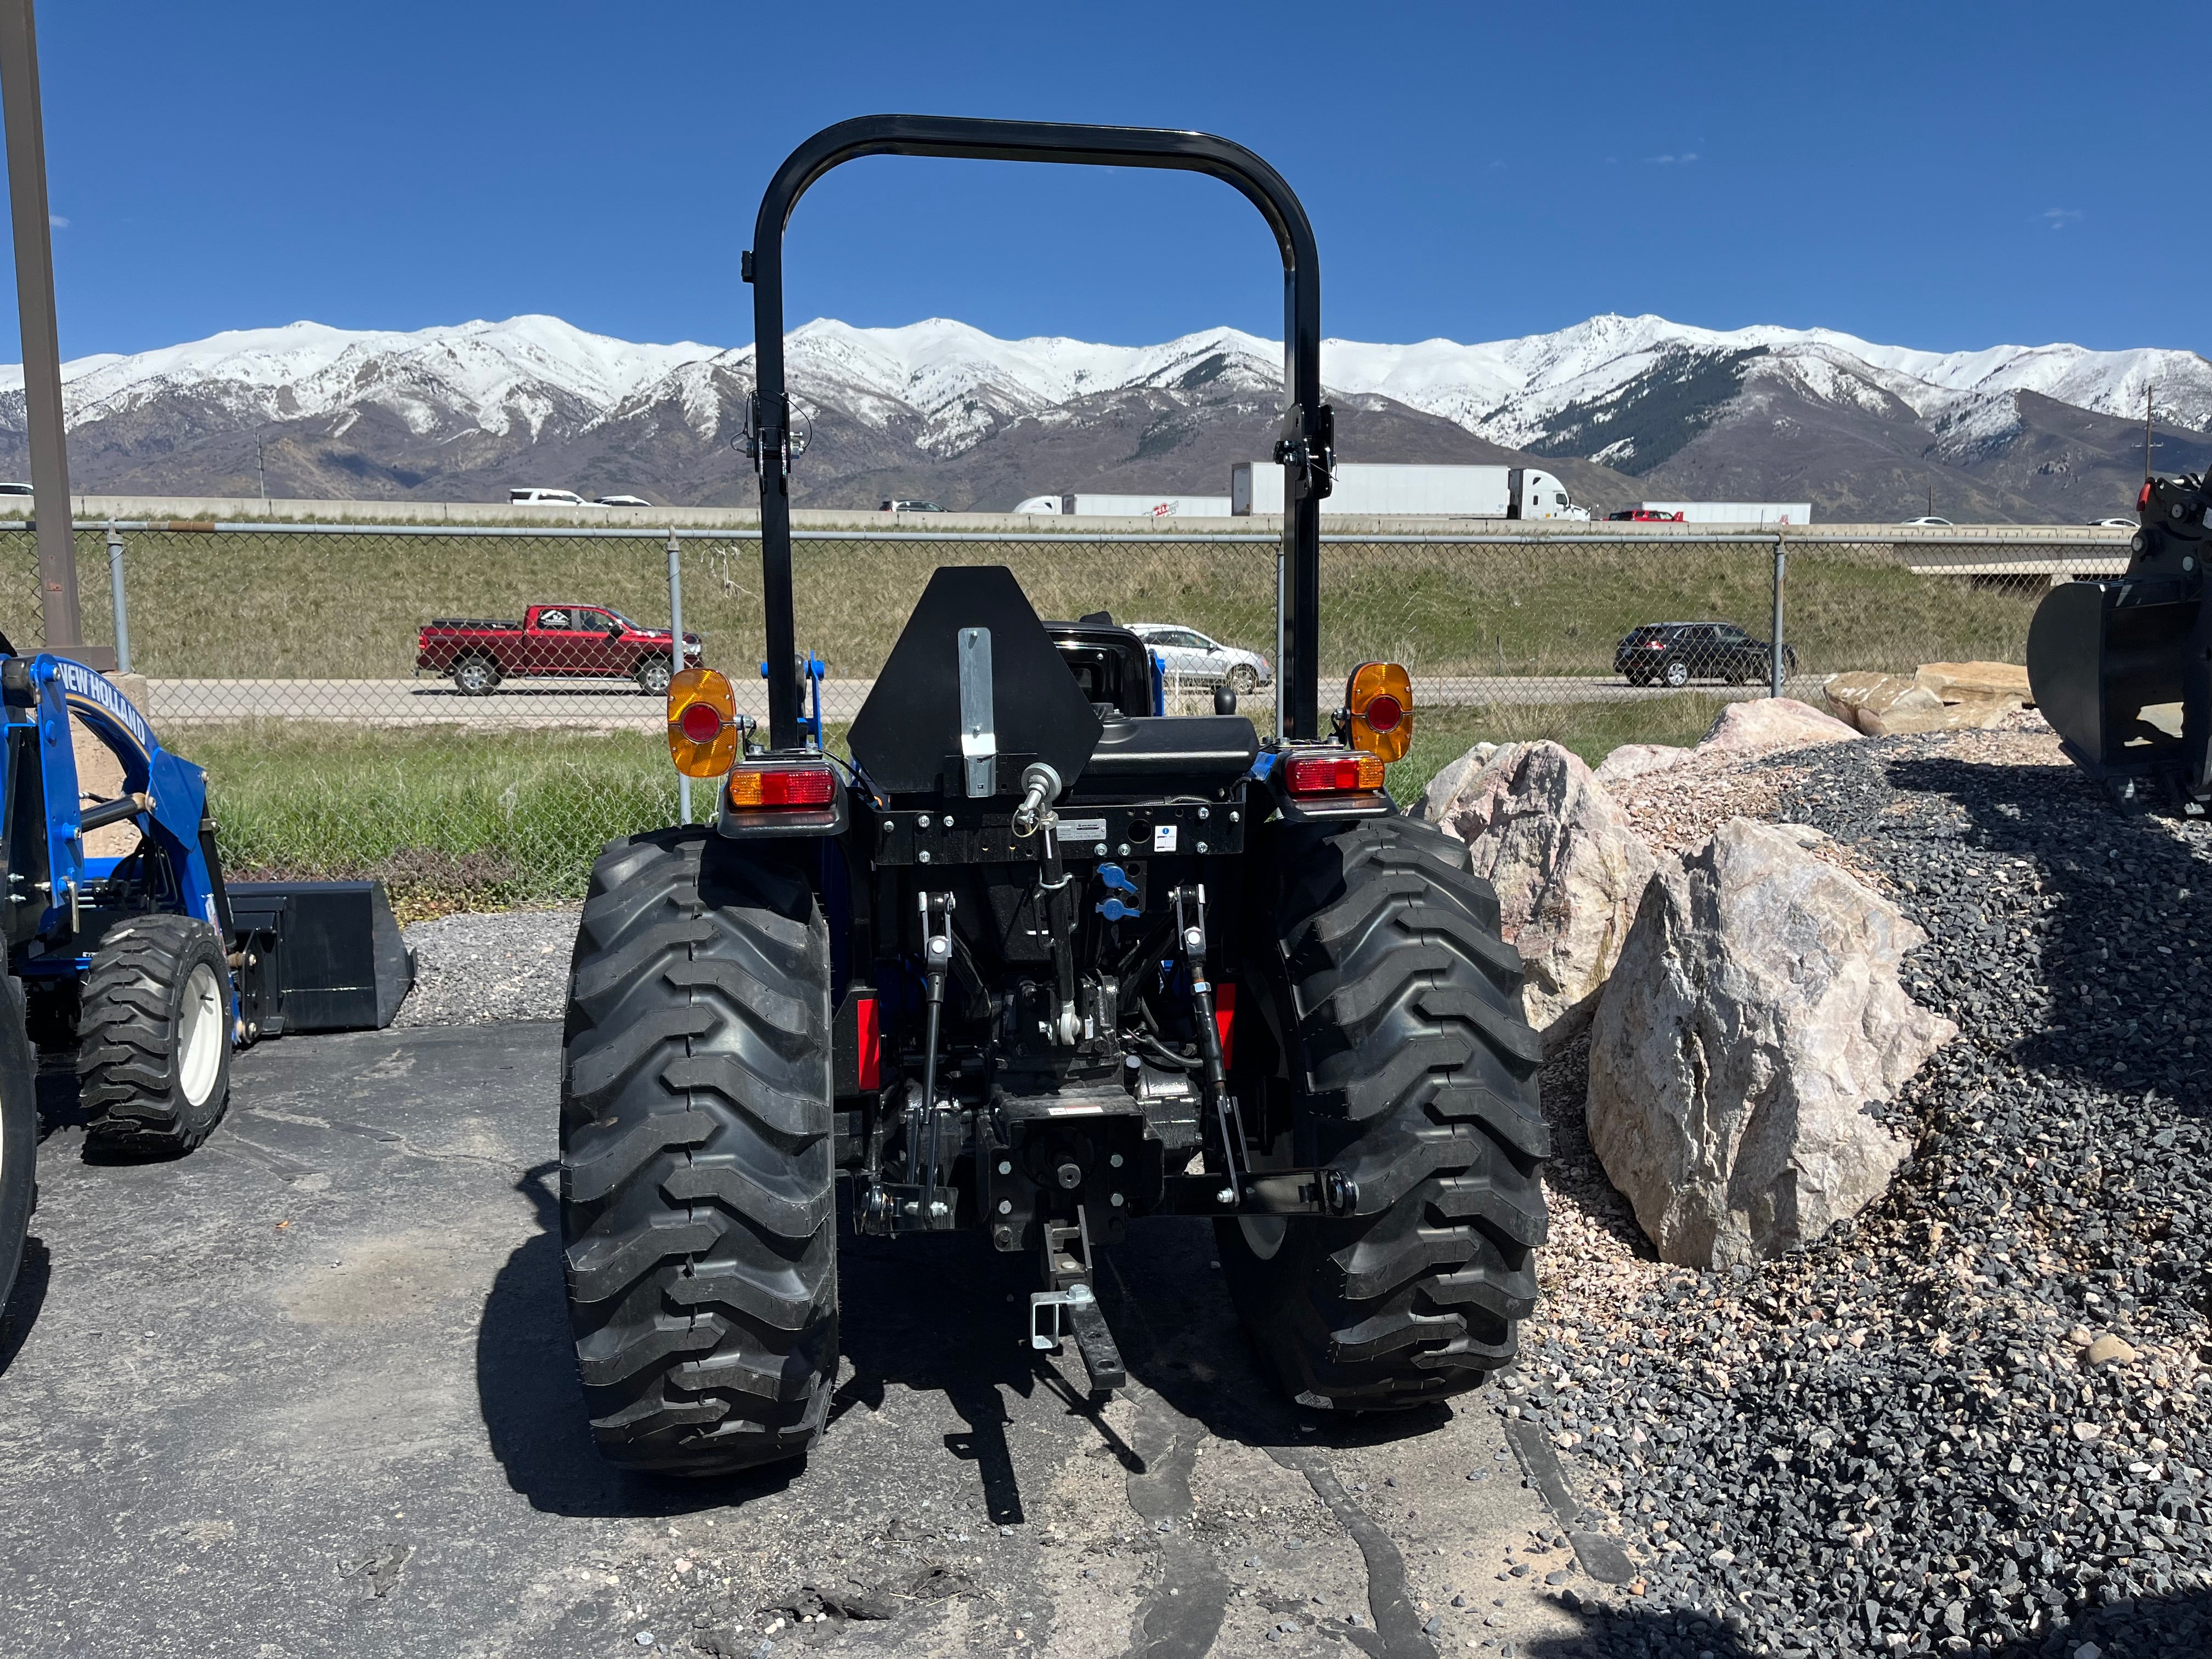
(1307, 443)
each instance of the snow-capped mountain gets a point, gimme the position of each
(942, 408)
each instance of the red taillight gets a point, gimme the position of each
(1332, 774)
(1383, 712)
(754, 788)
(2142, 496)
(867, 1030)
(1224, 1021)
(700, 723)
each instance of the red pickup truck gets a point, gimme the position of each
(557, 642)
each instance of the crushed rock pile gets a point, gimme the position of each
(1979, 1419)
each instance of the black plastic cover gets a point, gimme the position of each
(907, 736)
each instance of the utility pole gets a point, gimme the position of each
(2148, 389)
(261, 471)
(34, 304)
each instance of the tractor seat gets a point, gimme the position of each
(1210, 747)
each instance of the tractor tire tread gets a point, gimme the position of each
(126, 1037)
(1412, 1057)
(698, 1211)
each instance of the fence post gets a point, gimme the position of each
(676, 659)
(115, 599)
(1774, 669)
(1281, 567)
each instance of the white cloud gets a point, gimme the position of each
(57, 221)
(1659, 160)
(2061, 217)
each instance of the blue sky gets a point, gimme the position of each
(1940, 176)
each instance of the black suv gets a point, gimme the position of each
(1674, 653)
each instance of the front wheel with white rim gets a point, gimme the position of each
(653, 675)
(153, 1036)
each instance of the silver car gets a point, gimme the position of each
(1189, 655)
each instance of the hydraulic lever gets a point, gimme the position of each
(936, 964)
(1190, 932)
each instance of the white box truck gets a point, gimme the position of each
(1732, 512)
(1368, 489)
(1129, 506)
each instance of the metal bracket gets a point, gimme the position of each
(979, 738)
(1326, 1191)
(1068, 1273)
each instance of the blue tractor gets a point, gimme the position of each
(143, 968)
(1043, 960)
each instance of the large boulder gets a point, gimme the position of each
(1440, 801)
(1754, 1014)
(1636, 760)
(1568, 870)
(1769, 723)
(1940, 696)
(2003, 683)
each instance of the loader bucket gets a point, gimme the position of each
(2108, 662)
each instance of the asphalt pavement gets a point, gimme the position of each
(310, 1391)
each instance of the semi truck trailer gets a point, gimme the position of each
(1377, 489)
(1731, 512)
(1129, 506)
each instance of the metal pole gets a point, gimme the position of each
(115, 597)
(1774, 670)
(1282, 566)
(677, 663)
(34, 304)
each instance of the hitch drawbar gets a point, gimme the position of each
(1263, 1192)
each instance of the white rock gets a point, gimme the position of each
(1633, 760)
(1754, 1013)
(1769, 723)
(1568, 870)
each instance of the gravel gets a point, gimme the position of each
(509, 964)
(1896, 1442)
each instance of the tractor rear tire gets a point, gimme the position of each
(18, 1138)
(698, 1208)
(153, 1036)
(1393, 1047)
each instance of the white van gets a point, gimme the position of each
(544, 498)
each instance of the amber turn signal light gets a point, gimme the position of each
(702, 723)
(1379, 698)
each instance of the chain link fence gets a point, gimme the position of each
(483, 764)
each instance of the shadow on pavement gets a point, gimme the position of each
(941, 1314)
(25, 1300)
(533, 1406)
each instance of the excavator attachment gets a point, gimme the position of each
(2121, 667)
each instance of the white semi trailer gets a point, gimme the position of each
(1733, 512)
(1415, 490)
(1130, 507)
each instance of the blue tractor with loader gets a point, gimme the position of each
(1039, 962)
(142, 972)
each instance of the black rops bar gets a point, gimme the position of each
(1307, 443)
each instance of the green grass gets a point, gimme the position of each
(348, 606)
(453, 819)
(1592, 730)
(449, 819)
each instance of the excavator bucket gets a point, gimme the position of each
(2121, 668)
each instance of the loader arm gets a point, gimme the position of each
(1308, 440)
